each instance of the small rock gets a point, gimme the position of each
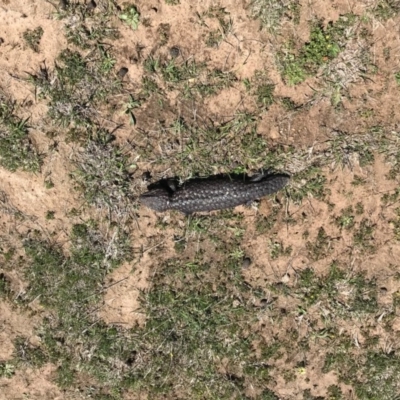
(285, 278)
(274, 133)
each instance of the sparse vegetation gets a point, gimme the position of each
(346, 220)
(103, 174)
(271, 13)
(33, 37)
(76, 86)
(324, 45)
(17, 150)
(70, 287)
(234, 304)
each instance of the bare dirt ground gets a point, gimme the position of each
(354, 95)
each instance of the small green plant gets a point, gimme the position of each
(131, 16)
(346, 220)
(321, 48)
(277, 249)
(48, 183)
(215, 37)
(335, 393)
(129, 106)
(149, 88)
(358, 180)
(107, 60)
(7, 370)
(397, 77)
(265, 224)
(33, 37)
(292, 69)
(359, 208)
(50, 215)
(289, 104)
(265, 96)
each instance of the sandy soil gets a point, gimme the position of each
(246, 50)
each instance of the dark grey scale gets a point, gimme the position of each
(213, 194)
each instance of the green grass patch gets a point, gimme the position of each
(194, 323)
(86, 27)
(373, 373)
(70, 288)
(202, 149)
(76, 86)
(103, 174)
(324, 45)
(262, 88)
(385, 9)
(197, 342)
(189, 77)
(358, 294)
(32, 38)
(311, 181)
(215, 37)
(17, 150)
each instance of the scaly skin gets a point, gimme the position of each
(212, 194)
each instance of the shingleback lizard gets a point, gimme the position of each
(213, 193)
